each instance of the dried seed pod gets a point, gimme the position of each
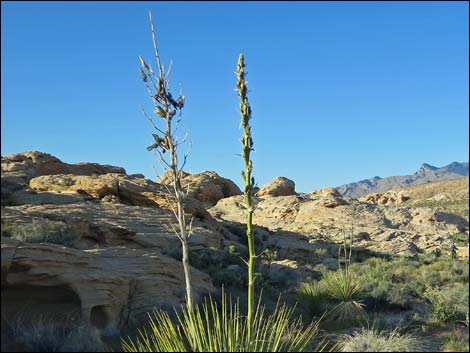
(165, 143)
(171, 100)
(155, 145)
(180, 101)
(160, 86)
(143, 75)
(157, 138)
(160, 112)
(143, 63)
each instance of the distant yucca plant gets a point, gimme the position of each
(224, 329)
(345, 287)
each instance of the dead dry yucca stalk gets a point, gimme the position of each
(168, 110)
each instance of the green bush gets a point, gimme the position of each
(219, 265)
(373, 340)
(7, 229)
(223, 329)
(66, 181)
(443, 308)
(45, 231)
(401, 281)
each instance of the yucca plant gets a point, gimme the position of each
(312, 296)
(224, 329)
(345, 287)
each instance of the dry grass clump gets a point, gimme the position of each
(373, 340)
(49, 335)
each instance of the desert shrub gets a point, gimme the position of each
(320, 253)
(401, 281)
(458, 296)
(229, 277)
(224, 266)
(48, 335)
(455, 342)
(320, 268)
(460, 238)
(374, 340)
(269, 255)
(66, 181)
(7, 228)
(440, 310)
(223, 329)
(45, 231)
(443, 272)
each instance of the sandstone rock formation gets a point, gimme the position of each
(119, 265)
(121, 262)
(207, 187)
(113, 285)
(449, 195)
(325, 215)
(18, 169)
(387, 198)
(280, 186)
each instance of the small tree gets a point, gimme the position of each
(247, 147)
(166, 146)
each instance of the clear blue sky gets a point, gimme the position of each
(340, 91)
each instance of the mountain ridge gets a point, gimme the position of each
(425, 174)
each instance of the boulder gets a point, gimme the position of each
(206, 187)
(280, 186)
(33, 164)
(387, 198)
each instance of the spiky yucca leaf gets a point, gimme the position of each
(224, 329)
(345, 287)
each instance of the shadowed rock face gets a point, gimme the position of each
(425, 174)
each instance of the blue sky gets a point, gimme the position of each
(339, 91)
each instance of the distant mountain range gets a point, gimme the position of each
(425, 174)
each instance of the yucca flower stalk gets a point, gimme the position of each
(247, 147)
